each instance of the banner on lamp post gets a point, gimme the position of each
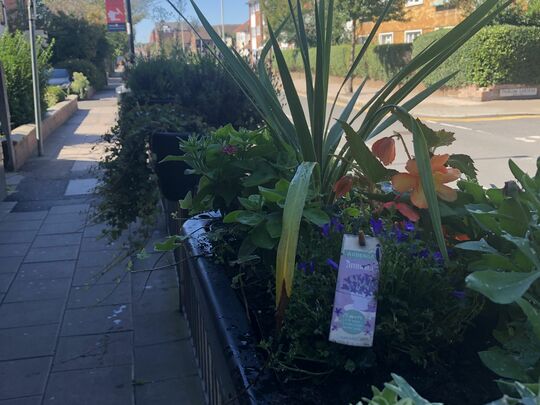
(116, 15)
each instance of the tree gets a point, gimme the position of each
(520, 12)
(361, 11)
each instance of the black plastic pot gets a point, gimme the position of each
(172, 181)
(224, 343)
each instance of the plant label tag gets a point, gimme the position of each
(355, 302)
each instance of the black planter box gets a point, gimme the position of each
(173, 184)
(223, 340)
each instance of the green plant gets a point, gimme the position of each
(96, 77)
(508, 271)
(516, 393)
(15, 58)
(496, 55)
(128, 186)
(396, 392)
(54, 95)
(198, 84)
(80, 85)
(311, 134)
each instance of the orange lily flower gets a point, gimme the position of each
(385, 150)
(405, 182)
(343, 186)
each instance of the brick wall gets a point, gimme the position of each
(425, 17)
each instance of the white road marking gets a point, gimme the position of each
(523, 139)
(455, 126)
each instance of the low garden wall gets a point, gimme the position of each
(24, 137)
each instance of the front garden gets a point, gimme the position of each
(448, 299)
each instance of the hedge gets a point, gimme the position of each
(97, 77)
(15, 57)
(380, 62)
(496, 55)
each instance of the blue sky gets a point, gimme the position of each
(235, 12)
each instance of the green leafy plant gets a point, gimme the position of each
(97, 78)
(517, 393)
(54, 95)
(15, 58)
(80, 85)
(311, 133)
(396, 392)
(508, 270)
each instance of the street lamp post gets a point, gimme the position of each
(35, 73)
(222, 23)
(130, 32)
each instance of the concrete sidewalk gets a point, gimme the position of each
(435, 106)
(83, 321)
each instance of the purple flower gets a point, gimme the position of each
(307, 267)
(376, 226)
(437, 256)
(458, 294)
(230, 150)
(334, 327)
(338, 226)
(332, 263)
(400, 236)
(338, 311)
(325, 230)
(408, 225)
(424, 253)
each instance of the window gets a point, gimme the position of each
(258, 30)
(253, 32)
(409, 3)
(386, 38)
(410, 36)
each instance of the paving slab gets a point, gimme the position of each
(25, 216)
(5, 281)
(164, 360)
(30, 313)
(154, 301)
(13, 249)
(81, 186)
(92, 244)
(10, 264)
(93, 351)
(47, 270)
(24, 290)
(69, 208)
(52, 254)
(179, 391)
(17, 236)
(63, 239)
(79, 217)
(154, 280)
(61, 228)
(33, 400)
(159, 327)
(100, 275)
(97, 319)
(103, 386)
(30, 341)
(24, 377)
(105, 258)
(20, 225)
(100, 294)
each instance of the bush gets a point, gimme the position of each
(496, 55)
(54, 95)
(80, 85)
(380, 62)
(15, 57)
(128, 186)
(197, 84)
(96, 77)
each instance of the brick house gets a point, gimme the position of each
(421, 16)
(257, 26)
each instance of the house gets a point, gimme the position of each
(421, 16)
(243, 38)
(256, 26)
(165, 32)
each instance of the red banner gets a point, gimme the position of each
(116, 15)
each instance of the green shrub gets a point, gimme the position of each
(128, 186)
(54, 95)
(96, 77)
(199, 85)
(15, 57)
(496, 55)
(80, 85)
(381, 62)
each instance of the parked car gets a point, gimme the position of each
(59, 77)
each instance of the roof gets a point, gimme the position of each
(243, 27)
